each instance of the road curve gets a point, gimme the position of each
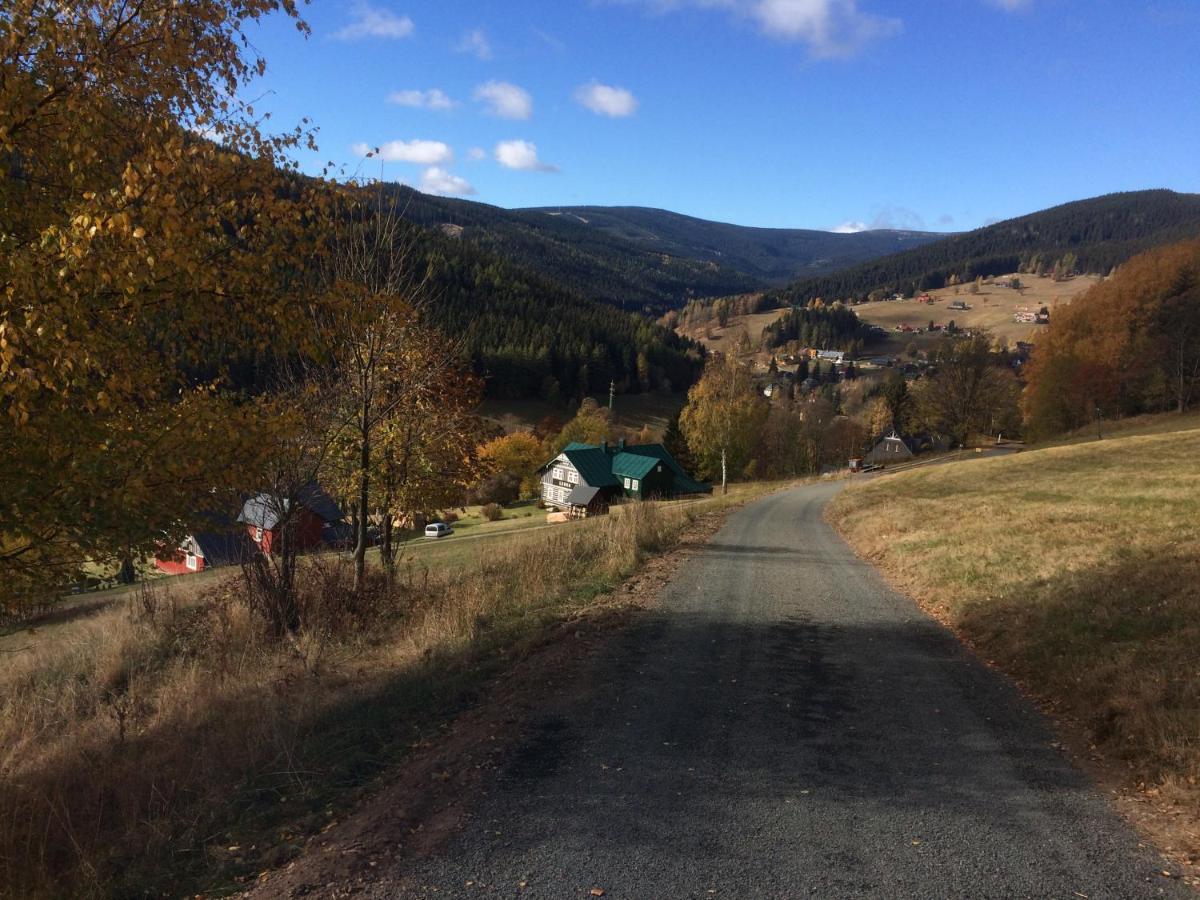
(785, 725)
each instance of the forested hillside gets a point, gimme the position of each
(594, 264)
(646, 259)
(530, 337)
(776, 255)
(1086, 236)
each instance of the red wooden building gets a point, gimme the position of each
(263, 515)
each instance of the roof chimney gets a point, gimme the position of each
(621, 444)
(604, 446)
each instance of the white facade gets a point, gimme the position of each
(559, 479)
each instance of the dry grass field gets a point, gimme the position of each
(723, 339)
(992, 308)
(1075, 569)
(164, 744)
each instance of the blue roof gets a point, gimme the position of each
(263, 510)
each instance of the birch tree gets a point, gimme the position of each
(723, 418)
(149, 234)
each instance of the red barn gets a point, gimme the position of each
(205, 550)
(316, 510)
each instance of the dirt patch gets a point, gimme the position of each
(427, 801)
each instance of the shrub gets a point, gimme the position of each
(492, 512)
(449, 517)
(501, 488)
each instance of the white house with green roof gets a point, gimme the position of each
(589, 476)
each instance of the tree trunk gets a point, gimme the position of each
(387, 550)
(126, 574)
(364, 492)
(724, 474)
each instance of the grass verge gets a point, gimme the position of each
(1075, 569)
(159, 747)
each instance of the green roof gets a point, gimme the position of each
(633, 465)
(684, 484)
(592, 463)
(600, 467)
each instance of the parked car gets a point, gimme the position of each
(438, 530)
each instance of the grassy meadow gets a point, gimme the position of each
(1074, 568)
(163, 744)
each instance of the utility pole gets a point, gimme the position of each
(612, 394)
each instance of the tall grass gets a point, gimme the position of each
(161, 746)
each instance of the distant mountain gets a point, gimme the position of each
(644, 259)
(775, 255)
(1093, 235)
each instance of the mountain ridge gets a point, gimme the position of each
(641, 259)
(1099, 233)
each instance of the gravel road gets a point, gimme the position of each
(785, 725)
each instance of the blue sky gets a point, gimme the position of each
(937, 114)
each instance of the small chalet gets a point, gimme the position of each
(225, 545)
(585, 478)
(891, 449)
(318, 515)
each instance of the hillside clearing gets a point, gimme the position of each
(992, 308)
(1073, 568)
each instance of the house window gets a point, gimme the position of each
(635, 484)
(559, 474)
(573, 477)
(190, 561)
(627, 487)
(258, 535)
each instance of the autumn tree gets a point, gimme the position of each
(518, 454)
(592, 424)
(722, 418)
(1130, 344)
(408, 429)
(970, 393)
(153, 238)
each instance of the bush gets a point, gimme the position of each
(502, 488)
(492, 512)
(449, 517)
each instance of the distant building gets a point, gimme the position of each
(226, 544)
(589, 476)
(262, 517)
(889, 450)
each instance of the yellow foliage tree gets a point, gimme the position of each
(150, 238)
(723, 418)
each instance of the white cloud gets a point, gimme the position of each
(434, 98)
(886, 218)
(505, 100)
(829, 28)
(606, 100)
(476, 43)
(521, 155)
(436, 180)
(425, 153)
(370, 21)
(476, 154)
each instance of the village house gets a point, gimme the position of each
(225, 544)
(316, 517)
(585, 478)
(889, 450)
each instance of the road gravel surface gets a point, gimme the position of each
(783, 724)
